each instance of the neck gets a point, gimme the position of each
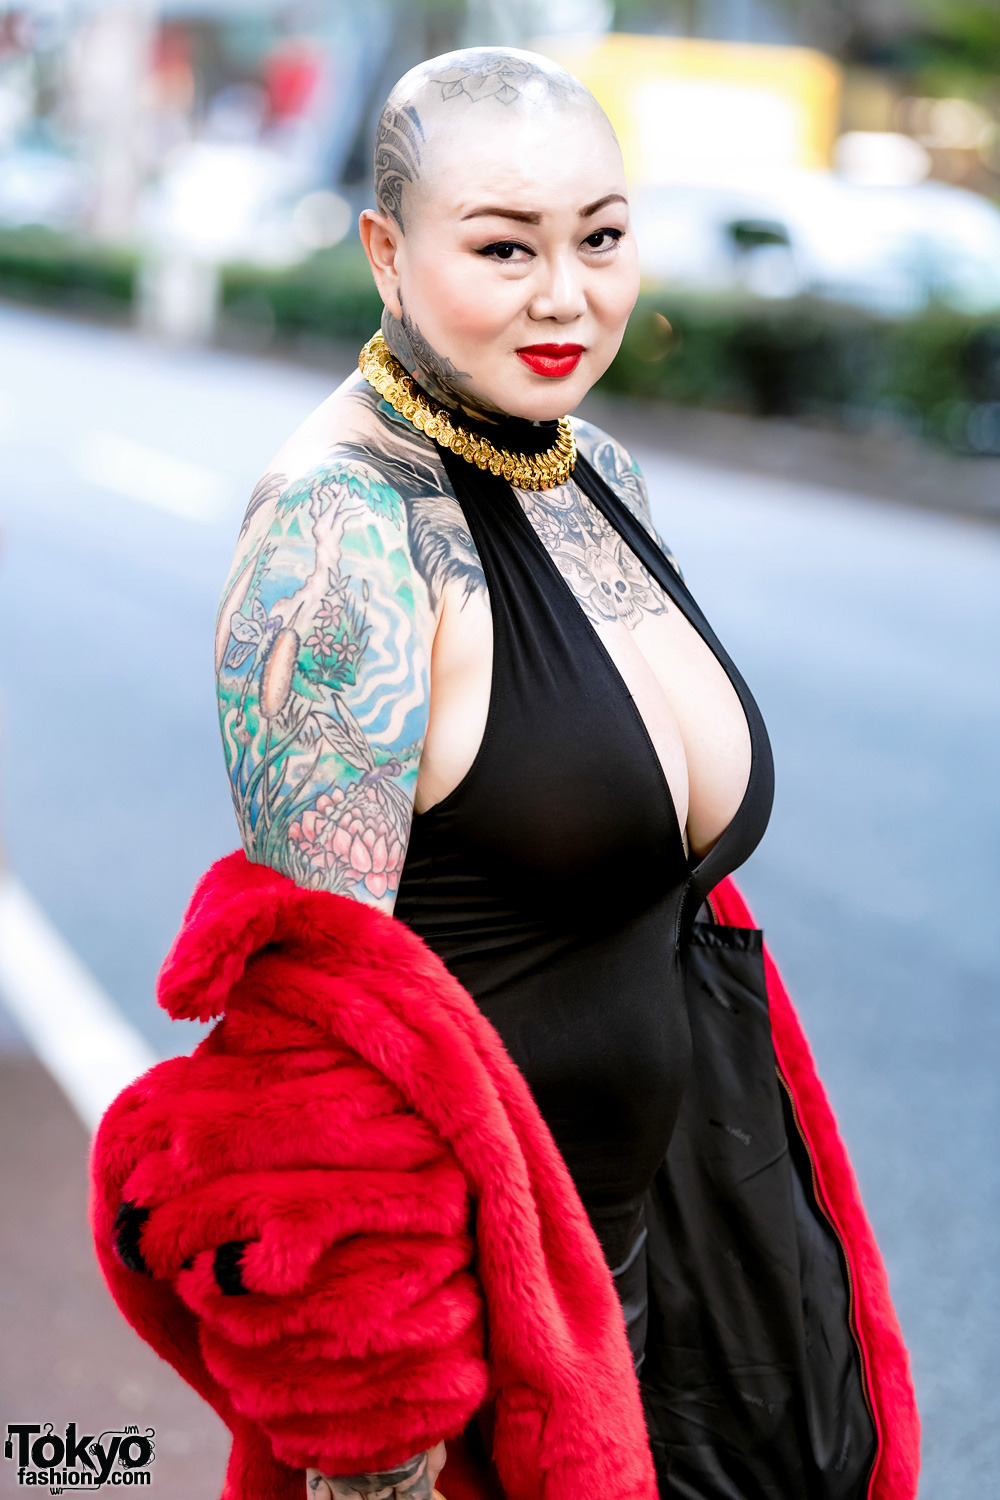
(435, 373)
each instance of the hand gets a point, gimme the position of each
(414, 1480)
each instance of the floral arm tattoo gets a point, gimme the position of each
(322, 646)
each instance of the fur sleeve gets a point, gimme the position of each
(315, 1230)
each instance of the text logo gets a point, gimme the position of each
(71, 1460)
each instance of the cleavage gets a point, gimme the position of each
(640, 626)
(566, 796)
(654, 712)
(461, 720)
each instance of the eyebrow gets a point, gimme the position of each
(521, 216)
(593, 208)
(503, 213)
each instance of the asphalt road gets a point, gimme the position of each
(868, 634)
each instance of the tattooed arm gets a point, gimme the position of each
(410, 1481)
(322, 649)
(618, 468)
(323, 642)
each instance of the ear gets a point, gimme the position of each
(382, 238)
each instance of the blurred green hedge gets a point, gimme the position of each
(329, 297)
(53, 270)
(937, 374)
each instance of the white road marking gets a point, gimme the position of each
(154, 478)
(76, 1031)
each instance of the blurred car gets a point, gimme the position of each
(893, 250)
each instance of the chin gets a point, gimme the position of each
(539, 399)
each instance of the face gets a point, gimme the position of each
(517, 266)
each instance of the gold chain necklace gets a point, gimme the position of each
(542, 471)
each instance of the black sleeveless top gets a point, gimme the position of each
(553, 881)
(554, 884)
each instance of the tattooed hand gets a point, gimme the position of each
(414, 1480)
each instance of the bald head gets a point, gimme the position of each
(477, 86)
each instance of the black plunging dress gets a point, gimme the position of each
(554, 883)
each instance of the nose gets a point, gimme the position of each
(560, 296)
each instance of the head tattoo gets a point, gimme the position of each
(431, 94)
(493, 73)
(397, 157)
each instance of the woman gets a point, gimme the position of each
(548, 866)
(460, 681)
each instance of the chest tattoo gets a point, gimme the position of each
(603, 572)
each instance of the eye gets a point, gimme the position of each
(604, 239)
(506, 250)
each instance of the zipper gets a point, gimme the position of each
(852, 1318)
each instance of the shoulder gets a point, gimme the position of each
(340, 484)
(354, 454)
(615, 465)
(336, 519)
(343, 452)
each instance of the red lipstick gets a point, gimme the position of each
(552, 360)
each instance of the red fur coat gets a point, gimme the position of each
(344, 1222)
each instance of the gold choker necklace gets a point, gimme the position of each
(540, 471)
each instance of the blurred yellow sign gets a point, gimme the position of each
(700, 111)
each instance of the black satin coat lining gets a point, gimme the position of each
(752, 1380)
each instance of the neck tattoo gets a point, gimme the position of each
(434, 372)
